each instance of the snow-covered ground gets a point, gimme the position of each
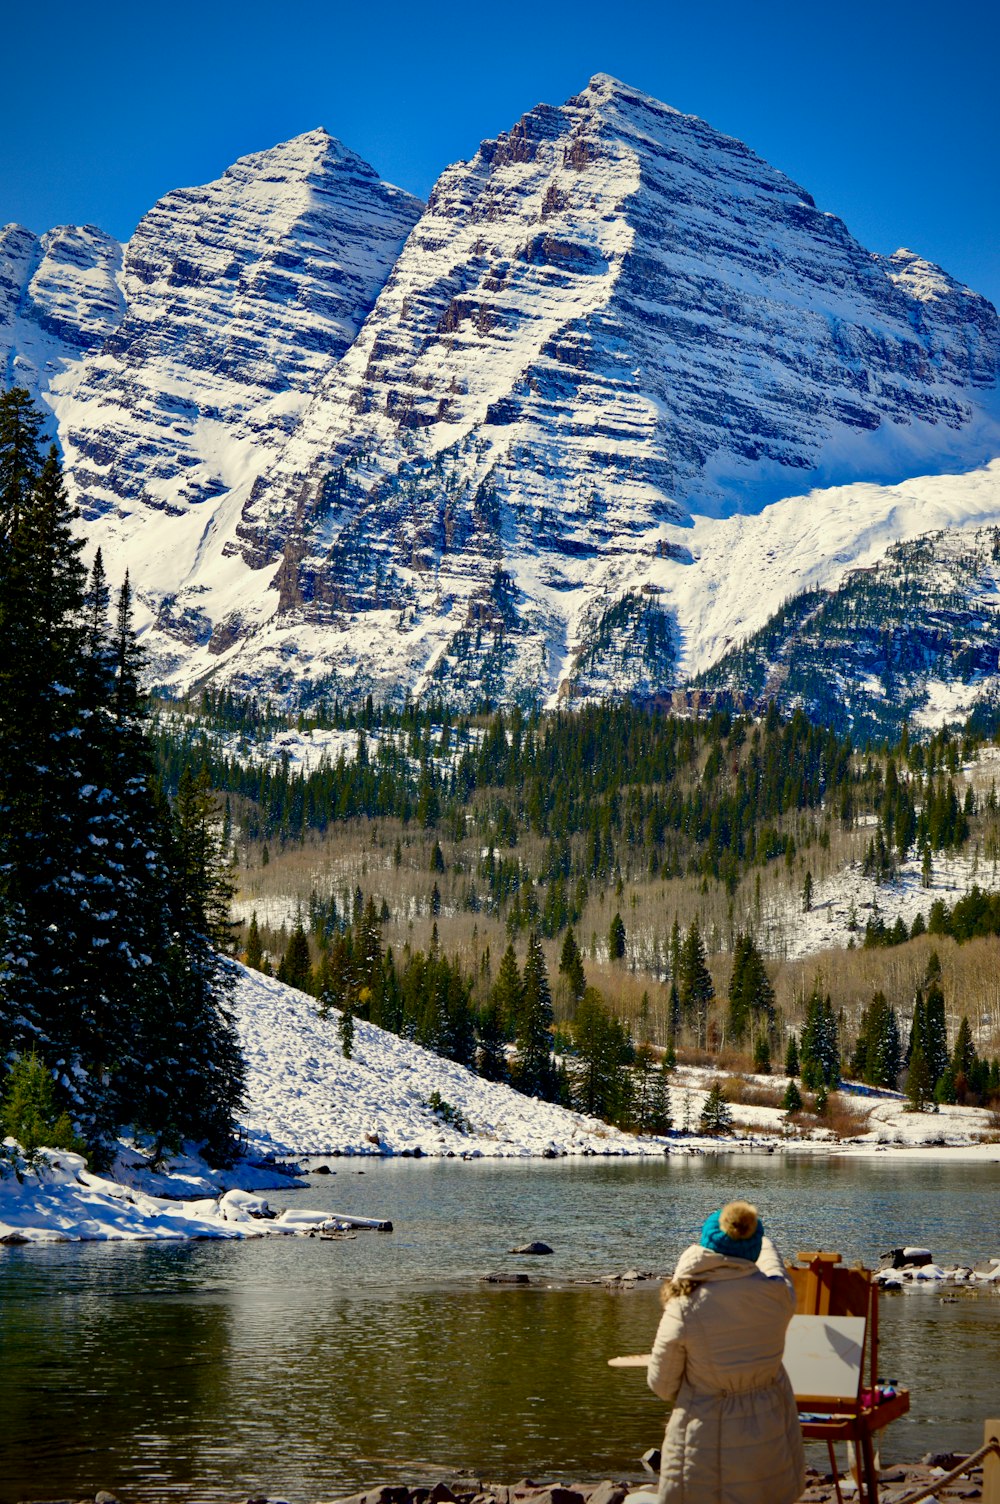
(848, 897)
(307, 1102)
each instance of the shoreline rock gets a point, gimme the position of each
(894, 1483)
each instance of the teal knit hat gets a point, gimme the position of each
(715, 1237)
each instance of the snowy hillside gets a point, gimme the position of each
(306, 1099)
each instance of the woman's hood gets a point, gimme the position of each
(704, 1264)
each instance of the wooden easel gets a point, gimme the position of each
(824, 1287)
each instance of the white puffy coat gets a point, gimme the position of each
(733, 1436)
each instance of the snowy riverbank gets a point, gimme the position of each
(307, 1103)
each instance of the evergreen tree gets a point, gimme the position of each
(346, 1030)
(751, 996)
(792, 1056)
(919, 1086)
(819, 1046)
(652, 1092)
(534, 1070)
(877, 1054)
(491, 1056)
(507, 994)
(295, 967)
(936, 1045)
(762, 1056)
(964, 1061)
(695, 987)
(600, 1082)
(29, 1112)
(792, 1100)
(254, 951)
(616, 939)
(571, 966)
(716, 1115)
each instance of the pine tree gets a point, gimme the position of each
(751, 996)
(807, 894)
(716, 1115)
(819, 1048)
(254, 951)
(792, 1100)
(29, 1112)
(346, 1030)
(295, 967)
(571, 966)
(964, 1061)
(616, 939)
(936, 1047)
(877, 1056)
(695, 984)
(491, 1056)
(600, 1082)
(919, 1086)
(507, 994)
(792, 1056)
(534, 1070)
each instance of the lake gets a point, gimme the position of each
(303, 1369)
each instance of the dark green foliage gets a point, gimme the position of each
(533, 1071)
(651, 1096)
(345, 1028)
(792, 1056)
(112, 903)
(295, 966)
(29, 1111)
(751, 996)
(936, 1038)
(919, 1083)
(254, 953)
(694, 984)
(877, 1057)
(792, 1100)
(571, 966)
(616, 939)
(623, 781)
(600, 1081)
(819, 1045)
(762, 1056)
(716, 1115)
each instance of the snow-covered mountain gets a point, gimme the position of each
(490, 461)
(60, 299)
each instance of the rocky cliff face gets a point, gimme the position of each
(909, 640)
(610, 318)
(60, 299)
(347, 447)
(239, 294)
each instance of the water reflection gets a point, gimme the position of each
(304, 1369)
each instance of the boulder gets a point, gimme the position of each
(504, 1279)
(536, 1248)
(608, 1493)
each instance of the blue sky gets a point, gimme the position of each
(885, 112)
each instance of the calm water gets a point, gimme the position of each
(305, 1369)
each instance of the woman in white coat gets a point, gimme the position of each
(733, 1436)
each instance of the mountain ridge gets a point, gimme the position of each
(348, 443)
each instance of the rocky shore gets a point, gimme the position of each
(895, 1484)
